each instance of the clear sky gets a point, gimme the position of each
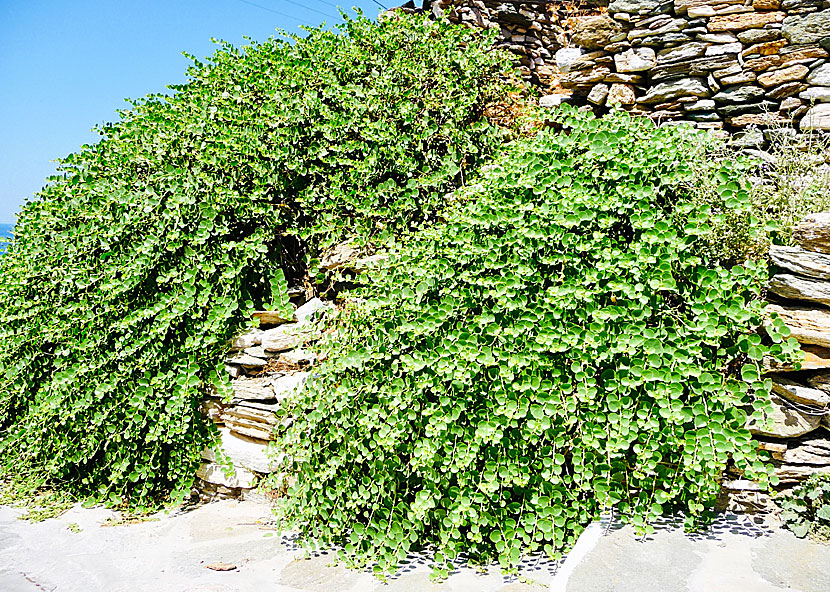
(66, 66)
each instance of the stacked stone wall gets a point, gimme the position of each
(719, 64)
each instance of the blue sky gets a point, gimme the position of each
(66, 66)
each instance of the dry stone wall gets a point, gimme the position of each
(720, 64)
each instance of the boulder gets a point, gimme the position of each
(787, 422)
(697, 67)
(598, 94)
(813, 232)
(666, 91)
(739, 94)
(817, 118)
(594, 32)
(808, 28)
(253, 389)
(800, 394)
(801, 261)
(640, 59)
(565, 57)
(799, 288)
(816, 94)
(686, 51)
(751, 36)
(584, 77)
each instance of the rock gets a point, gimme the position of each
(594, 32)
(776, 449)
(766, 4)
(271, 317)
(809, 451)
(817, 118)
(798, 288)
(621, 94)
(250, 338)
(717, 38)
(312, 310)
(665, 91)
(801, 262)
(714, 50)
(616, 77)
(807, 28)
(634, 6)
(787, 422)
(565, 57)
(584, 77)
(787, 89)
(283, 338)
(598, 94)
(797, 393)
(793, 474)
(298, 357)
(338, 256)
(740, 78)
(801, 56)
(811, 357)
(797, 72)
(735, 109)
(233, 371)
(758, 119)
(751, 36)
(244, 452)
(253, 389)
(739, 94)
(213, 409)
(221, 566)
(748, 20)
(697, 67)
(687, 51)
(820, 76)
(817, 94)
(702, 105)
(790, 104)
(251, 420)
(668, 33)
(635, 60)
(246, 361)
(752, 138)
(215, 474)
(764, 49)
(813, 232)
(551, 101)
(289, 384)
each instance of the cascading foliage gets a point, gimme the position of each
(562, 344)
(136, 263)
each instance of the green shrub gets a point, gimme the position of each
(556, 347)
(806, 511)
(131, 270)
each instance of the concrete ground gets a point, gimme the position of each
(81, 551)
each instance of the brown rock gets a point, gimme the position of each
(221, 566)
(749, 20)
(616, 77)
(682, 6)
(807, 54)
(800, 394)
(806, 325)
(759, 119)
(801, 261)
(584, 77)
(808, 451)
(740, 78)
(621, 94)
(813, 232)
(271, 317)
(787, 422)
(777, 77)
(594, 32)
(765, 49)
(787, 89)
(811, 357)
(766, 4)
(697, 67)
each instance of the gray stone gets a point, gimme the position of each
(312, 310)
(298, 357)
(253, 389)
(215, 473)
(807, 28)
(598, 94)
(673, 27)
(686, 51)
(717, 37)
(752, 36)
(787, 89)
(798, 393)
(564, 58)
(594, 32)
(820, 76)
(249, 338)
(553, 101)
(813, 232)
(246, 361)
(731, 110)
(272, 317)
(283, 338)
(786, 421)
(666, 91)
(634, 6)
(801, 261)
(251, 420)
(635, 60)
(749, 139)
(702, 105)
(817, 94)
(739, 94)
(798, 288)
(697, 67)
(714, 50)
(289, 384)
(243, 452)
(338, 256)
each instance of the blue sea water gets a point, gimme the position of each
(5, 233)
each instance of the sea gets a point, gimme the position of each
(5, 234)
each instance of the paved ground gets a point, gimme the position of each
(76, 553)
